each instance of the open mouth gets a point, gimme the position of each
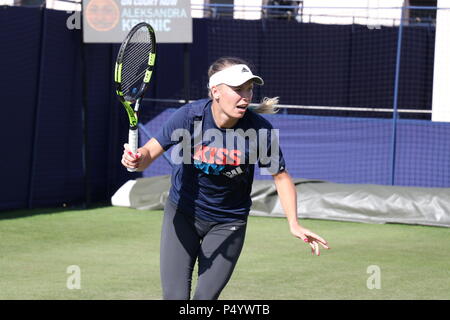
(242, 107)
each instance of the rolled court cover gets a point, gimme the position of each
(318, 200)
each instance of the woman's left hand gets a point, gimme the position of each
(310, 237)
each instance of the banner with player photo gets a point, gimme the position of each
(108, 21)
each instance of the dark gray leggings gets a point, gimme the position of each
(184, 239)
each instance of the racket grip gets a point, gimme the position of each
(133, 143)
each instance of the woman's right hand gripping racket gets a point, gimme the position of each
(132, 74)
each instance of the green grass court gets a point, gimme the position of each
(117, 251)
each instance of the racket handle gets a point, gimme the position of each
(133, 143)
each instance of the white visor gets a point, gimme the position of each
(234, 76)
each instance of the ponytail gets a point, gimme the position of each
(267, 105)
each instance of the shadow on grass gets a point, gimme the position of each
(24, 213)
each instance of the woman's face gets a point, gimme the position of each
(234, 101)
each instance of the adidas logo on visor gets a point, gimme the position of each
(244, 69)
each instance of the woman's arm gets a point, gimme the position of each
(144, 155)
(288, 198)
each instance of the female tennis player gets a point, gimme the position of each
(205, 216)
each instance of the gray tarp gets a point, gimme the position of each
(318, 200)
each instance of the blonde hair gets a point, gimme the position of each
(267, 105)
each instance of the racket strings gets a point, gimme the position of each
(134, 65)
(134, 68)
(135, 62)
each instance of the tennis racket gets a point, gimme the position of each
(132, 74)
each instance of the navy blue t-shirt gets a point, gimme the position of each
(213, 172)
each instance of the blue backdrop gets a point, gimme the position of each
(351, 150)
(43, 65)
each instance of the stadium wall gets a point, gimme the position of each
(350, 150)
(42, 70)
